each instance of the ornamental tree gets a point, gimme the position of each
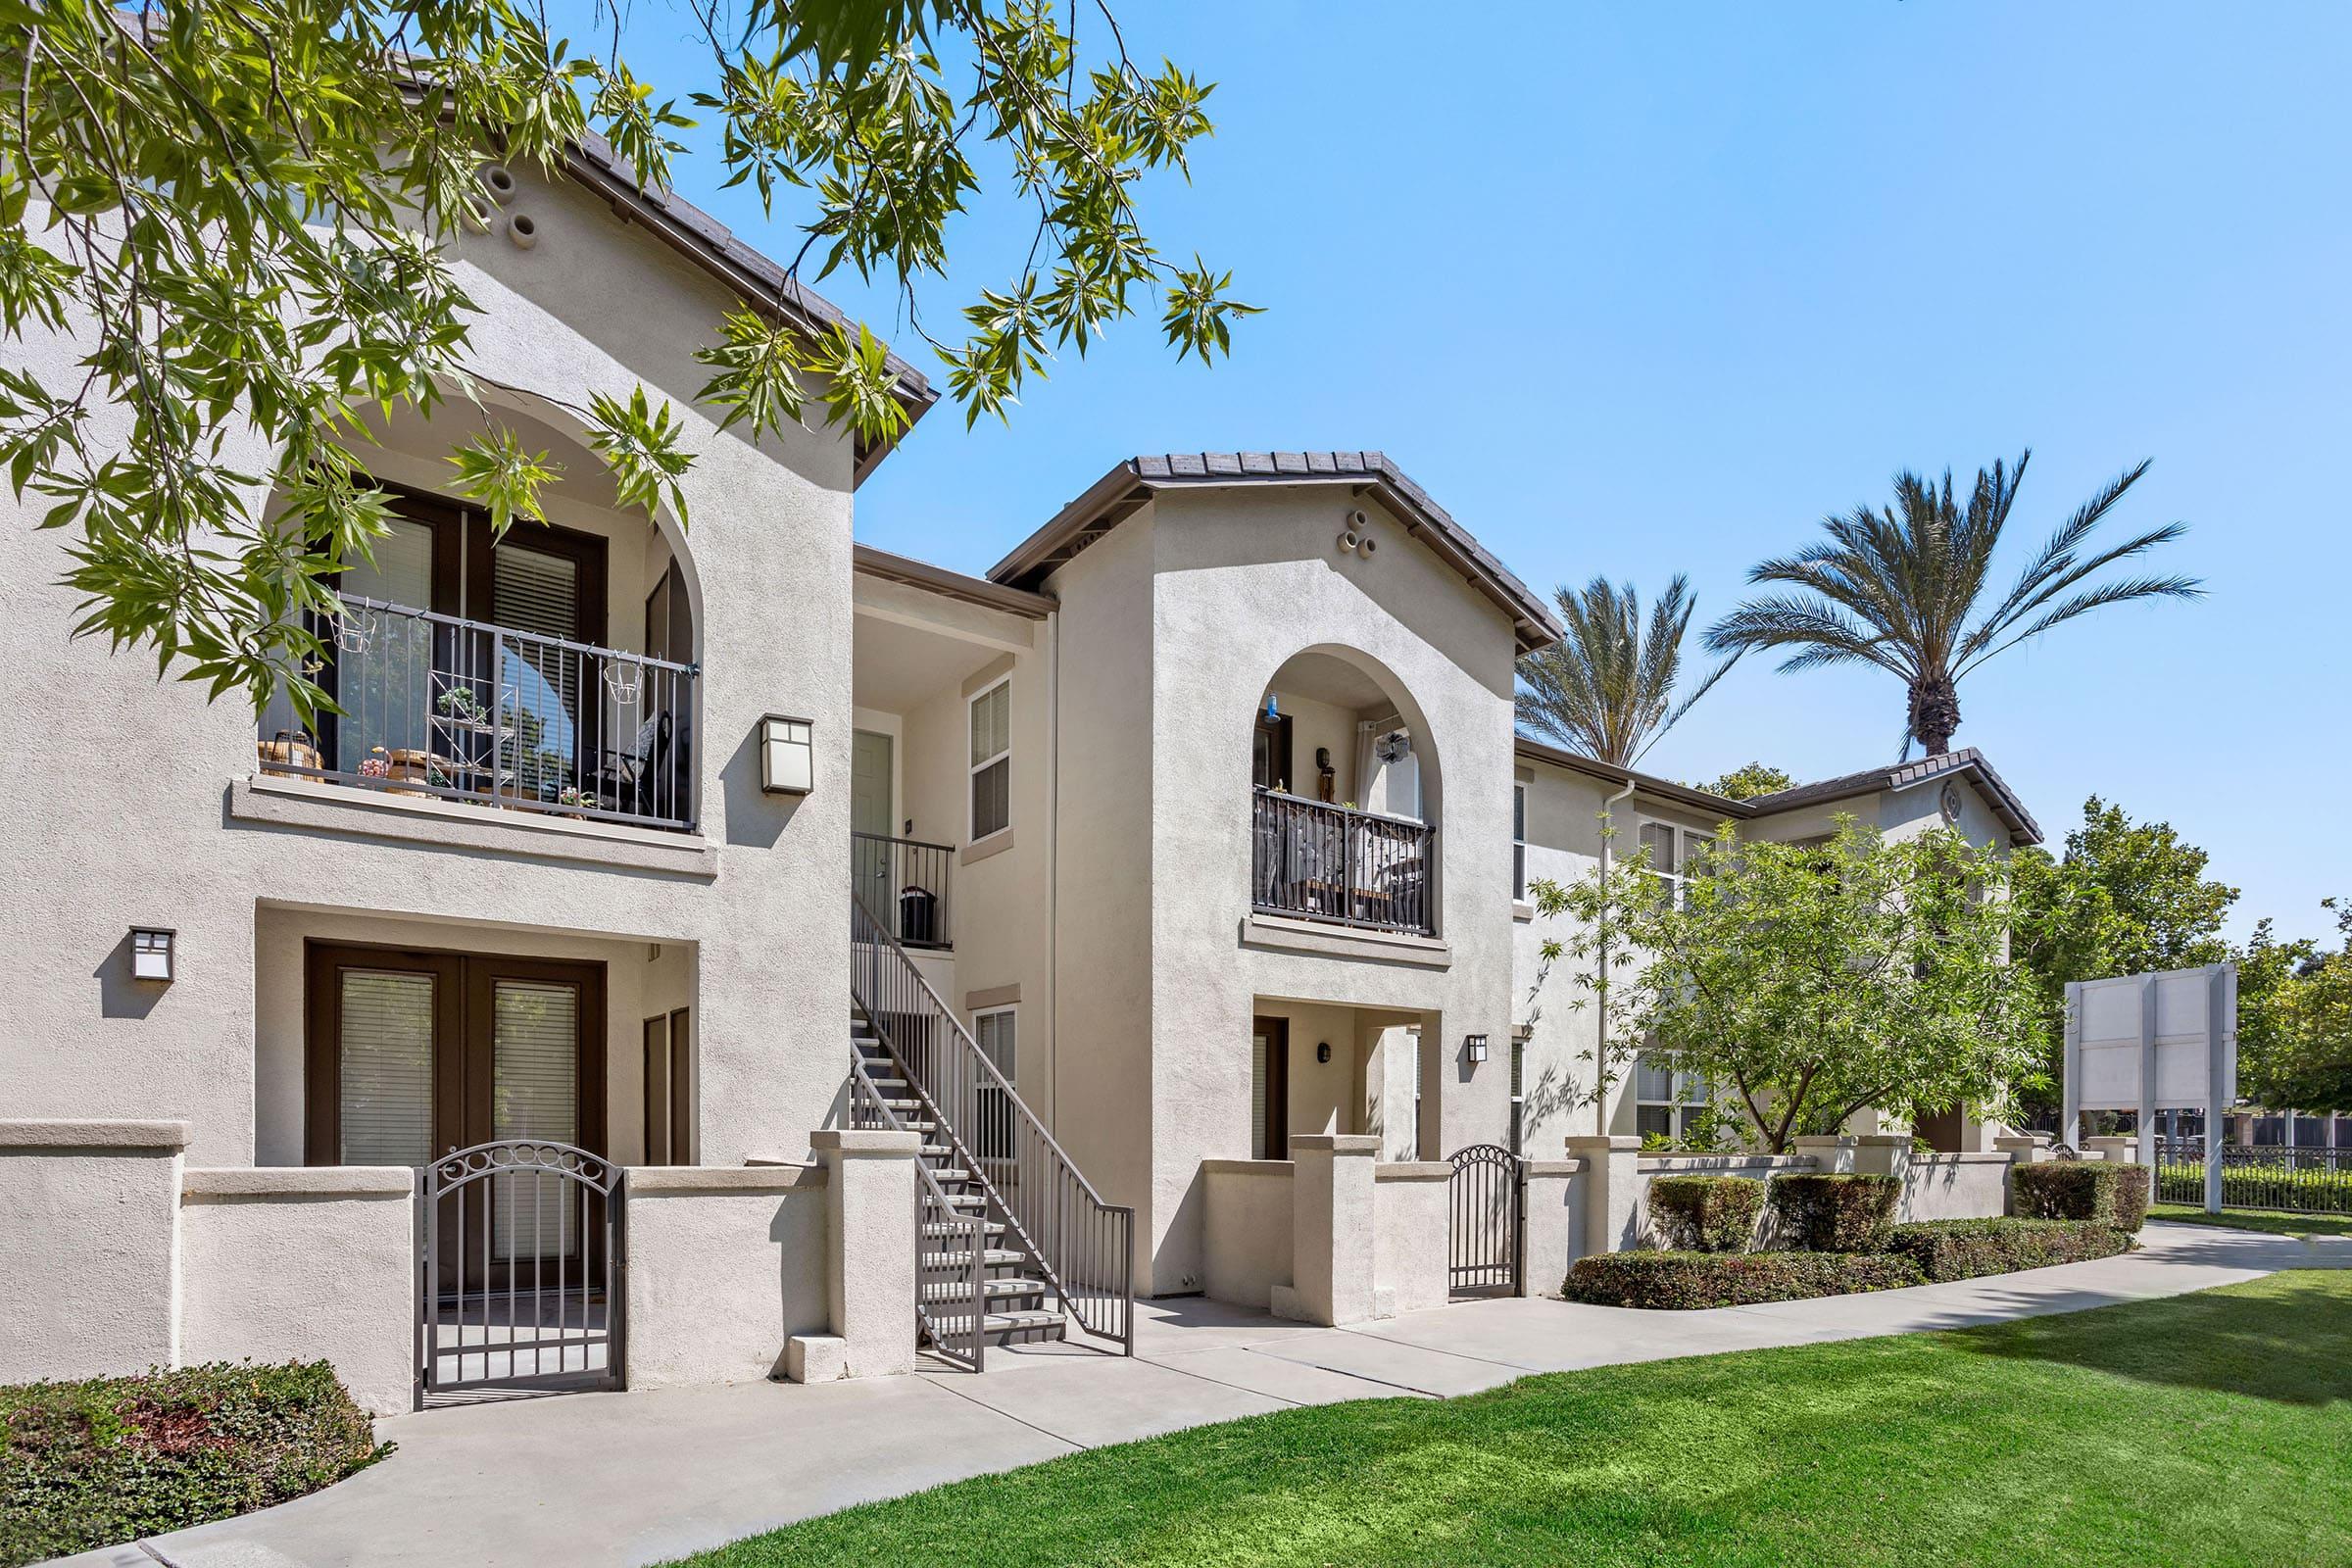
(2294, 1012)
(1805, 982)
(241, 212)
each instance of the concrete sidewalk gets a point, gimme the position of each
(639, 1478)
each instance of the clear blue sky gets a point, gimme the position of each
(1640, 288)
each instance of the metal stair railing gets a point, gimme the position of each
(961, 1340)
(1083, 1247)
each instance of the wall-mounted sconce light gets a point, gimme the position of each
(1475, 1047)
(1323, 1051)
(787, 755)
(150, 953)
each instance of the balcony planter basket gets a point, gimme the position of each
(286, 750)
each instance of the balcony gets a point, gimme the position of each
(1314, 861)
(436, 706)
(902, 883)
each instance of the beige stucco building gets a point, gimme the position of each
(1194, 837)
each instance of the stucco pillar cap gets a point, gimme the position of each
(1588, 1143)
(1334, 1143)
(1833, 1140)
(856, 1143)
(50, 1132)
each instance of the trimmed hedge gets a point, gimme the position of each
(2107, 1192)
(1840, 1213)
(1680, 1281)
(1706, 1213)
(1969, 1249)
(90, 1464)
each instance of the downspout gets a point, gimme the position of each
(1600, 1101)
(1053, 865)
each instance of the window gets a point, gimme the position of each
(1665, 1100)
(1518, 841)
(1672, 852)
(992, 761)
(994, 1032)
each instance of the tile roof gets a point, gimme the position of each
(1117, 493)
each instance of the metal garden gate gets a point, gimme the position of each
(519, 1270)
(1484, 1205)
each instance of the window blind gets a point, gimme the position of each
(992, 767)
(535, 1041)
(386, 1054)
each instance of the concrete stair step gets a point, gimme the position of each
(941, 1230)
(1019, 1328)
(995, 1256)
(947, 1292)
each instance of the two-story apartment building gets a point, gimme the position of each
(1195, 826)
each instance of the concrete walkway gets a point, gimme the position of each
(628, 1479)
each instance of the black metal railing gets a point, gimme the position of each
(1483, 1230)
(1334, 862)
(1082, 1247)
(904, 881)
(950, 1246)
(435, 706)
(2295, 1181)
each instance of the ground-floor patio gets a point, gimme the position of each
(644, 1476)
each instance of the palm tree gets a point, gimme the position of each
(1898, 588)
(1606, 688)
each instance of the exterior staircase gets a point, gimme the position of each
(1015, 1304)
(1012, 1243)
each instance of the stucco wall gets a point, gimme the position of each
(1248, 1217)
(769, 567)
(1242, 579)
(724, 1266)
(305, 1265)
(89, 1266)
(1411, 1265)
(1956, 1186)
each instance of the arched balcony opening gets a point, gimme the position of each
(551, 669)
(1343, 798)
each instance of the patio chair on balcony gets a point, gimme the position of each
(639, 781)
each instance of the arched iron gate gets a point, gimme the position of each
(519, 1270)
(1483, 1232)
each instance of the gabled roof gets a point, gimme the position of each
(760, 282)
(2023, 829)
(1905, 775)
(1117, 495)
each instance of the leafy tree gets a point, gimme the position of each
(1748, 782)
(2294, 1009)
(242, 215)
(1606, 688)
(1808, 981)
(1900, 588)
(2125, 898)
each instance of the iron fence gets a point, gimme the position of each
(520, 1269)
(1483, 1232)
(904, 882)
(1334, 862)
(2288, 1180)
(437, 706)
(1083, 1247)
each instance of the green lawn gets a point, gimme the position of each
(2247, 1219)
(2202, 1430)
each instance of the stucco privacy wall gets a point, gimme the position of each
(127, 806)
(724, 1266)
(1246, 1215)
(89, 1273)
(1411, 1260)
(1956, 1186)
(280, 1265)
(1243, 578)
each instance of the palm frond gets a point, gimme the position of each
(1606, 687)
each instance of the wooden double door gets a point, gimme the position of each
(413, 1054)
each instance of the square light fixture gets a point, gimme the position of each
(1475, 1047)
(150, 953)
(787, 754)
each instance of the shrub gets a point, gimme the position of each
(90, 1464)
(1706, 1213)
(1847, 1213)
(1678, 1281)
(2111, 1193)
(1966, 1248)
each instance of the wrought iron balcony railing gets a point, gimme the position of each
(904, 882)
(437, 706)
(1333, 863)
